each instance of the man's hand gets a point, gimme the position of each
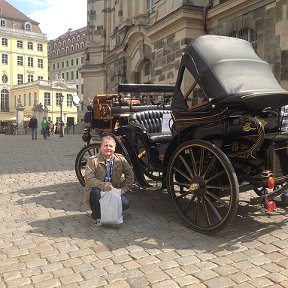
(107, 187)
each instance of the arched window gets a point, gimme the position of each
(77, 46)
(67, 49)
(145, 71)
(72, 47)
(4, 100)
(82, 44)
(4, 78)
(28, 26)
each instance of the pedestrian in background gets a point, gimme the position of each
(33, 125)
(88, 117)
(44, 127)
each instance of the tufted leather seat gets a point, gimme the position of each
(149, 125)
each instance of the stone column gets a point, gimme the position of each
(20, 118)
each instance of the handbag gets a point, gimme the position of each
(111, 207)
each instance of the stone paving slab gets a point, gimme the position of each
(47, 239)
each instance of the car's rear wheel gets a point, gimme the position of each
(203, 186)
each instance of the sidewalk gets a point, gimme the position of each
(47, 240)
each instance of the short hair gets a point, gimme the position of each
(89, 108)
(108, 137)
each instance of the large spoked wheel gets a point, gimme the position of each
(82, 158)
(203, 186)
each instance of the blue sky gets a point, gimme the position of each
(55, 16)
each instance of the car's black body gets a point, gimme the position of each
(226, 135)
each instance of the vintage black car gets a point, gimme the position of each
(225, 134)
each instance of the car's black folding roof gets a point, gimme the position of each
(230, 72)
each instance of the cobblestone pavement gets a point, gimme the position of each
(47, 240)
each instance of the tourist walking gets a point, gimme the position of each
(44, 128)
(33, 125)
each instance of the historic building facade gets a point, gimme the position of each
(142, 41)
(24, 70)
(23, 50)
(65, 55)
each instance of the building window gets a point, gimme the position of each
(20, 60)
(47, 98)
(30, 61)
(2, 23)
(72, 62)
(72, 75)
(67, 76)
(58, 94)
(30, 46)
(150, 5)
(4, 100)
(40, 47)
(24, 100)
(62, 64)
(28, 26)
(62, 76)
(19, 44)
(247, 34)
(82, 88)
(54, 66)
(67, 63)
(35, 98)
(69, 100)
(4, 79)
(40, 77)
(40, 63)
(77, 74)
(30, 78)
(4, 58)
(5, 42)
(20, 79)
(77, 61)
(29, 99)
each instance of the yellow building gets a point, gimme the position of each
(24, 55)
(47, 93)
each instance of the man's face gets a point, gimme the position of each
(107, 148)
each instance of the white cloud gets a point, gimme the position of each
(57, 16)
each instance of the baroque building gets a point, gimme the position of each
(23, 50)
(24, 71)
(142, 41)
(65, 55)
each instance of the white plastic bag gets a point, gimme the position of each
(111, 207)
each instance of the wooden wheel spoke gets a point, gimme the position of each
(198, 203)
(186, 166)
(223, 188)
(219, 174)
(217, 199)
(182, 195)
(201, 164)
(206, 213)
(206, 172)
(182, 184)
(193, 162)
(213, 208)
(189, 204)
(180, 172)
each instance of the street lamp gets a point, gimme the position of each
(61, 96)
